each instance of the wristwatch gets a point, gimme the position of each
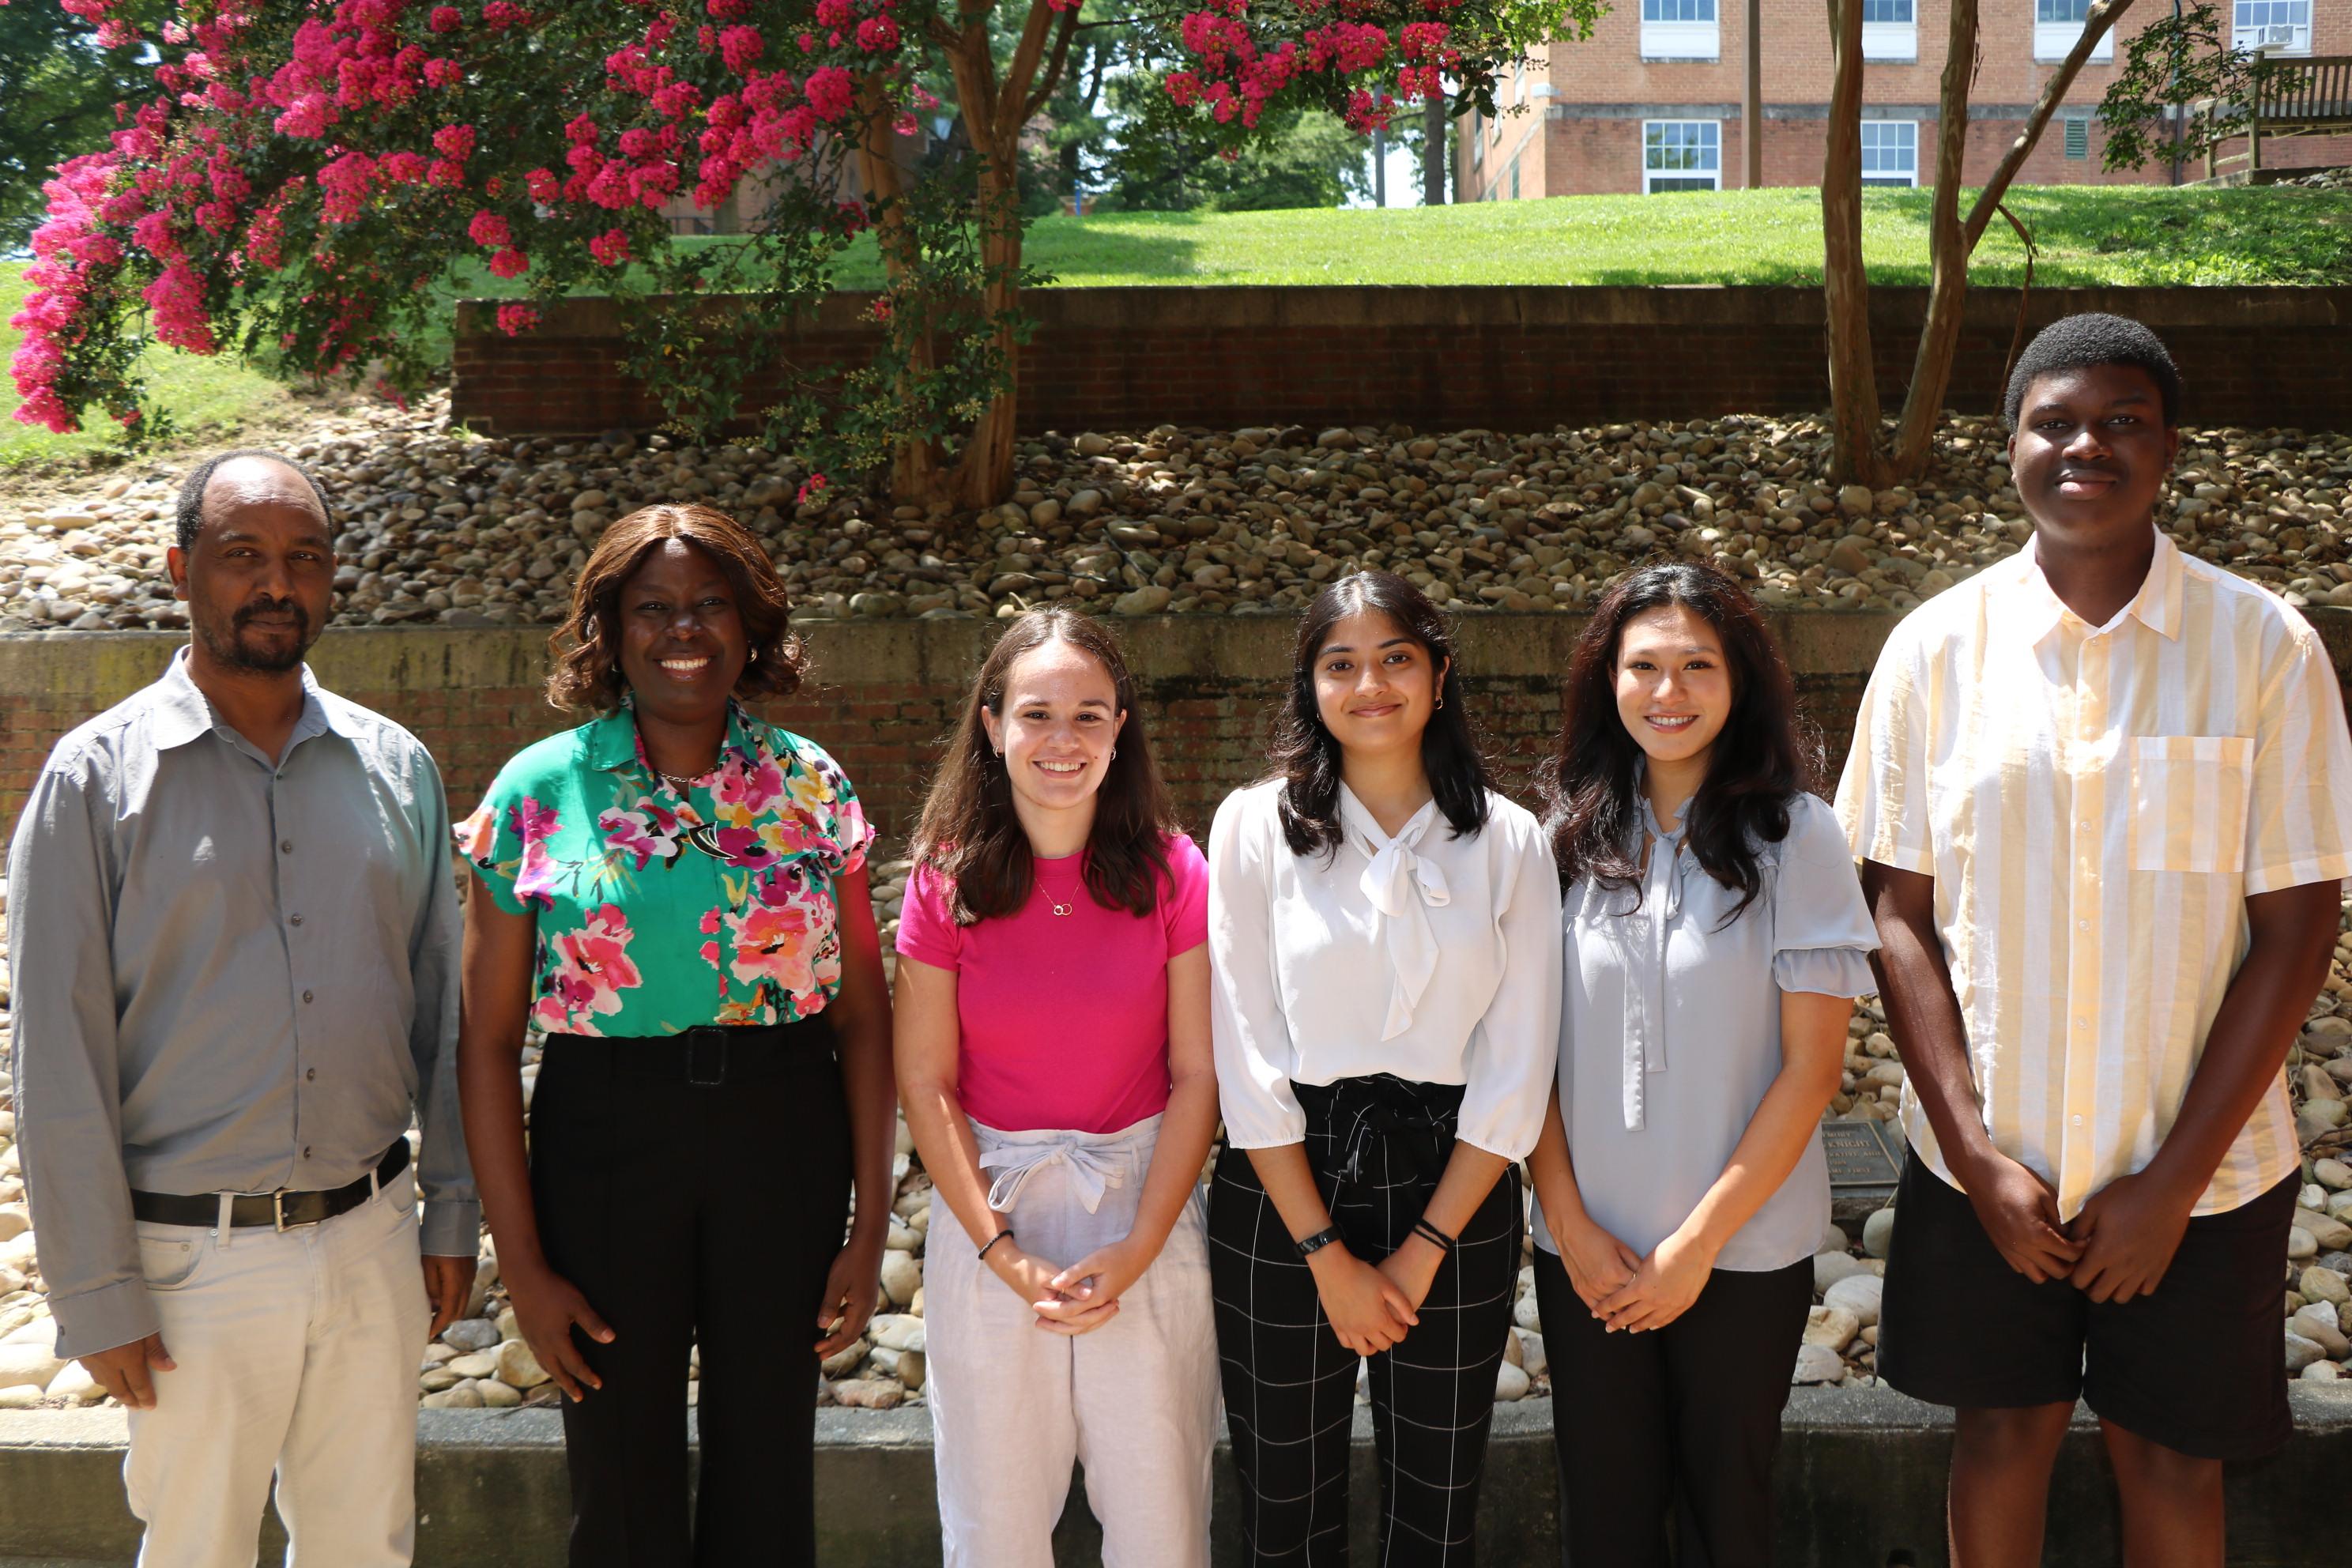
(1313, 1244)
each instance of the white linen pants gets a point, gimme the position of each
(296, 1352)
(1013, 1404)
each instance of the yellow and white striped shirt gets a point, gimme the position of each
(2095, 805)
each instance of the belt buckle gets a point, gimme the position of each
(278, 1209)
(696, 1038)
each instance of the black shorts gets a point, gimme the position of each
(2194, 1366)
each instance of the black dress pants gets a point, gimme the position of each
(1378, 1146)
(687, 1212)
(1685, 1417)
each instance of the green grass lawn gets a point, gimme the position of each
(2087, 235)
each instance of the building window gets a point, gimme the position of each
(1681, 155)
(2279, 26)
(1680, 30)
(2057, 24)
(1477, 140)
(1890, 30)
(2078, 136)
(1514, 179)
(1890, 152)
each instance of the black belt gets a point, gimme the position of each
(709, 1056)
(280, 1210)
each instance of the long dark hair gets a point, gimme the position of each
(1306, 756)
(1757, 765)
(969, 831)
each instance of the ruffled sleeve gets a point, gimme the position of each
(506, 839)
(1514, 1054)
(1822, 936)
(837, 815)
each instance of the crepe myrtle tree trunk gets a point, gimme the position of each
(1432, 154)
(1860, 452)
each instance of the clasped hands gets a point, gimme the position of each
(1076, 1299)
(2117, 1247)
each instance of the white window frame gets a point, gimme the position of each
(1512, 178)
(2054, 41)
(2266, 34)
(1682, 38)
(1713, 176)
(1894, 41)
(1887, 174)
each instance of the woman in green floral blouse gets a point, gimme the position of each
(675, 893)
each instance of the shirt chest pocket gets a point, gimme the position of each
(2189, 796)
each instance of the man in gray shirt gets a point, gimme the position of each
(235, 966)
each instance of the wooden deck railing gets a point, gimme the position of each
(2301, 98)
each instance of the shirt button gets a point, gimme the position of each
(2079, 1023)
(305, 997)
(2084, 826)
(311, 1075)
(2079, 925)
(285, 846)
(305, 1148)
(297, 920)
(2078, 1121)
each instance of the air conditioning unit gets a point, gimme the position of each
(2279, 33)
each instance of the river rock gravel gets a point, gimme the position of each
(435, 525)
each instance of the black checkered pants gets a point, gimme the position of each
(1378, 1146)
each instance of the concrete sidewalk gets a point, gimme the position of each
(1861, 1481)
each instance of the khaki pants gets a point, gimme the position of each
(297, 1355)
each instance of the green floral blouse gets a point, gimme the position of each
(660, 911)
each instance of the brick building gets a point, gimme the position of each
(1652, 101)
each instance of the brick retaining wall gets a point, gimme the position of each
(1504, 358)
(883, 693)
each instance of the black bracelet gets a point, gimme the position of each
(993, 1240)
(1428, 1232)
(1309, 1246)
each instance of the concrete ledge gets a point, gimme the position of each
(1861, 1483)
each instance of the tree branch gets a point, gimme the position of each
(2102, 17)
(1051, 79)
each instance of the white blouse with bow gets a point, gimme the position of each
(1423, 955)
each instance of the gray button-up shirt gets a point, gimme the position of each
(229, 975)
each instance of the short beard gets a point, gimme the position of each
(227, 645)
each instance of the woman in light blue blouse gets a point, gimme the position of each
(1714, 938)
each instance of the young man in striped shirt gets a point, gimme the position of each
(2102, 795)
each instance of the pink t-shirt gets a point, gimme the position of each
(1064, 1017)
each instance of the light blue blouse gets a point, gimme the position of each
(1670, 1031)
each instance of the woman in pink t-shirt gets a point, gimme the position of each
(1053, 1052)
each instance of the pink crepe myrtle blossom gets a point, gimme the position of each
(610, 248)
(515, 319)
(509, 263)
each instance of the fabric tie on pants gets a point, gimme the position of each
(1360, 1114)
(1095, 1167)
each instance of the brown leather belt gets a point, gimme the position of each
(280, 1210)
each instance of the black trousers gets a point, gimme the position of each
(1686, 1418)
(1378, 1146)
(686, 1212)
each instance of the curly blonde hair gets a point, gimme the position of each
(586, 650)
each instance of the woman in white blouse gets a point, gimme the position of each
(1715, 936)
(1384, 1017)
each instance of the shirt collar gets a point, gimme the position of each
(2026, 601)
(612, 736)
(182, 711)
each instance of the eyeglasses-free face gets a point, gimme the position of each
(1375, 686)
(1674, 684)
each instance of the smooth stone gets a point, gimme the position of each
(897, 1331)
(1817, 1363)
(1511, 1383)
(2331, 1235)
(2320, 1324)
(33, 1361)
(2319, 1284)
(471, 1334)
(1858, 1295)
(1524, 1312)
(2321, 1371)
(1147, 600)
(2300, 1244)
(1829, 1267)
(901, 1277)
(518, 1367)
(498, 1396)
(845, 1358)
(465, 1396)
(2301, 1352)
(481, 1363)
(75, 1383)
(2332, 1175)
(1878, 1232)
(1532, 1354)
(912, 1367)
(868, 1393)
(1832, 1327)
